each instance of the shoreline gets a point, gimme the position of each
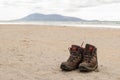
(79, 26)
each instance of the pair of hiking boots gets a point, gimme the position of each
(83, 58)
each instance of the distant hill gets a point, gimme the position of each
(49, 17)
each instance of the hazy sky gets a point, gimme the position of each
(85, 9)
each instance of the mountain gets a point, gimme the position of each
(49, 17)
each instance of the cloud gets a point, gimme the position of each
(56, 3)
(103, 12)
(64, 7)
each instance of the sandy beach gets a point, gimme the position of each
(34, 52)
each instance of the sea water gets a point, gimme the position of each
(70, 23)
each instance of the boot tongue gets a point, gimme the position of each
(74, 50)
(88, 52)
(89, 48)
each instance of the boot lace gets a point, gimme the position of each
(72, 58)
(87, 57)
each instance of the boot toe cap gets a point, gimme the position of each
(86, 67)
(66, 67)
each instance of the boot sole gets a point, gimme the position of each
(65, 68)
(87, 69)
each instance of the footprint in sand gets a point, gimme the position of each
(26, 43)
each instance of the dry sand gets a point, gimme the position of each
(29, 52)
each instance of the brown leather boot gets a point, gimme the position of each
(89, 62)
(74, 60)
